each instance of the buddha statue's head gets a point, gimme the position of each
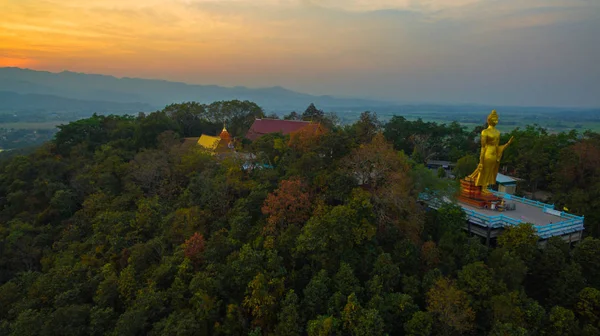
(492, 119)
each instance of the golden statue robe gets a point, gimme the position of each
(489, 162)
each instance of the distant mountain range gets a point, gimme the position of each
(32, 89)
(11, 101)
(39, 96)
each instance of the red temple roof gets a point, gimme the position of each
(261, 127)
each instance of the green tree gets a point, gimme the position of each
(127, 284)
(292, 116)
(586, 253)
(394, 308)
(421, 324)
(102, 320)
(289, 317)
(502, 329)
(180, 323)
(465, 166)
(561, 322)
(28, 323)
(441, 172)
(149, 127)
(565, 288)
(261, 298)
(338, 231)
(477, 280)
(548, 263)
(324, 326)
(132, 322)
(367, 126)
(70, 320)
(388, 271)
(588, 305)
(508, 268)
(577, 181)
(191, 118)
(516, 309)
(316, 294)
(345, 282)
(9, 294)
(590, 330)
(521, 239)
(360, 321)
(237, 115)
(451, 307)
(312, 113)
(85, 131)
(456, 250)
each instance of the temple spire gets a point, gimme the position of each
(225, 134)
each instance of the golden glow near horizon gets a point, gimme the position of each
(65, 34)
(55, 34)
(278, 42)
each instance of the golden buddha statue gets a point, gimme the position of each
(491, 153)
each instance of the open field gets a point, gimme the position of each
(48, 125)
(553, 119)
(550, 125)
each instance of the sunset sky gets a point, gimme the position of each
(509, 52)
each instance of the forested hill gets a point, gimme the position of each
(115, 228)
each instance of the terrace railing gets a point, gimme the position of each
(523, 200)
(560, 228)
(572, 223)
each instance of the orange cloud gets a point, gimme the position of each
(260, 42)
(16, 62)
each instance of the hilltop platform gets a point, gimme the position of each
(548, 222)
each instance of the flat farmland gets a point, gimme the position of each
(46, 125)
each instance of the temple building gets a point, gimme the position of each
(208, 142)
(223, 143)
(261, 127)
(436, 164)
(507, 184)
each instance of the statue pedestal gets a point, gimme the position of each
(472, 195)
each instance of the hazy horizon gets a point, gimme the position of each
(509, 52)
(380, 100)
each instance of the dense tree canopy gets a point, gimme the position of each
(193, 119)
(115, 228)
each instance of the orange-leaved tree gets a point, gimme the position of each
(307, 138)
(430, 255)
(386, 173)
(193, 248)
(288, 204)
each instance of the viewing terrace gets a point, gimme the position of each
(547, 222)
